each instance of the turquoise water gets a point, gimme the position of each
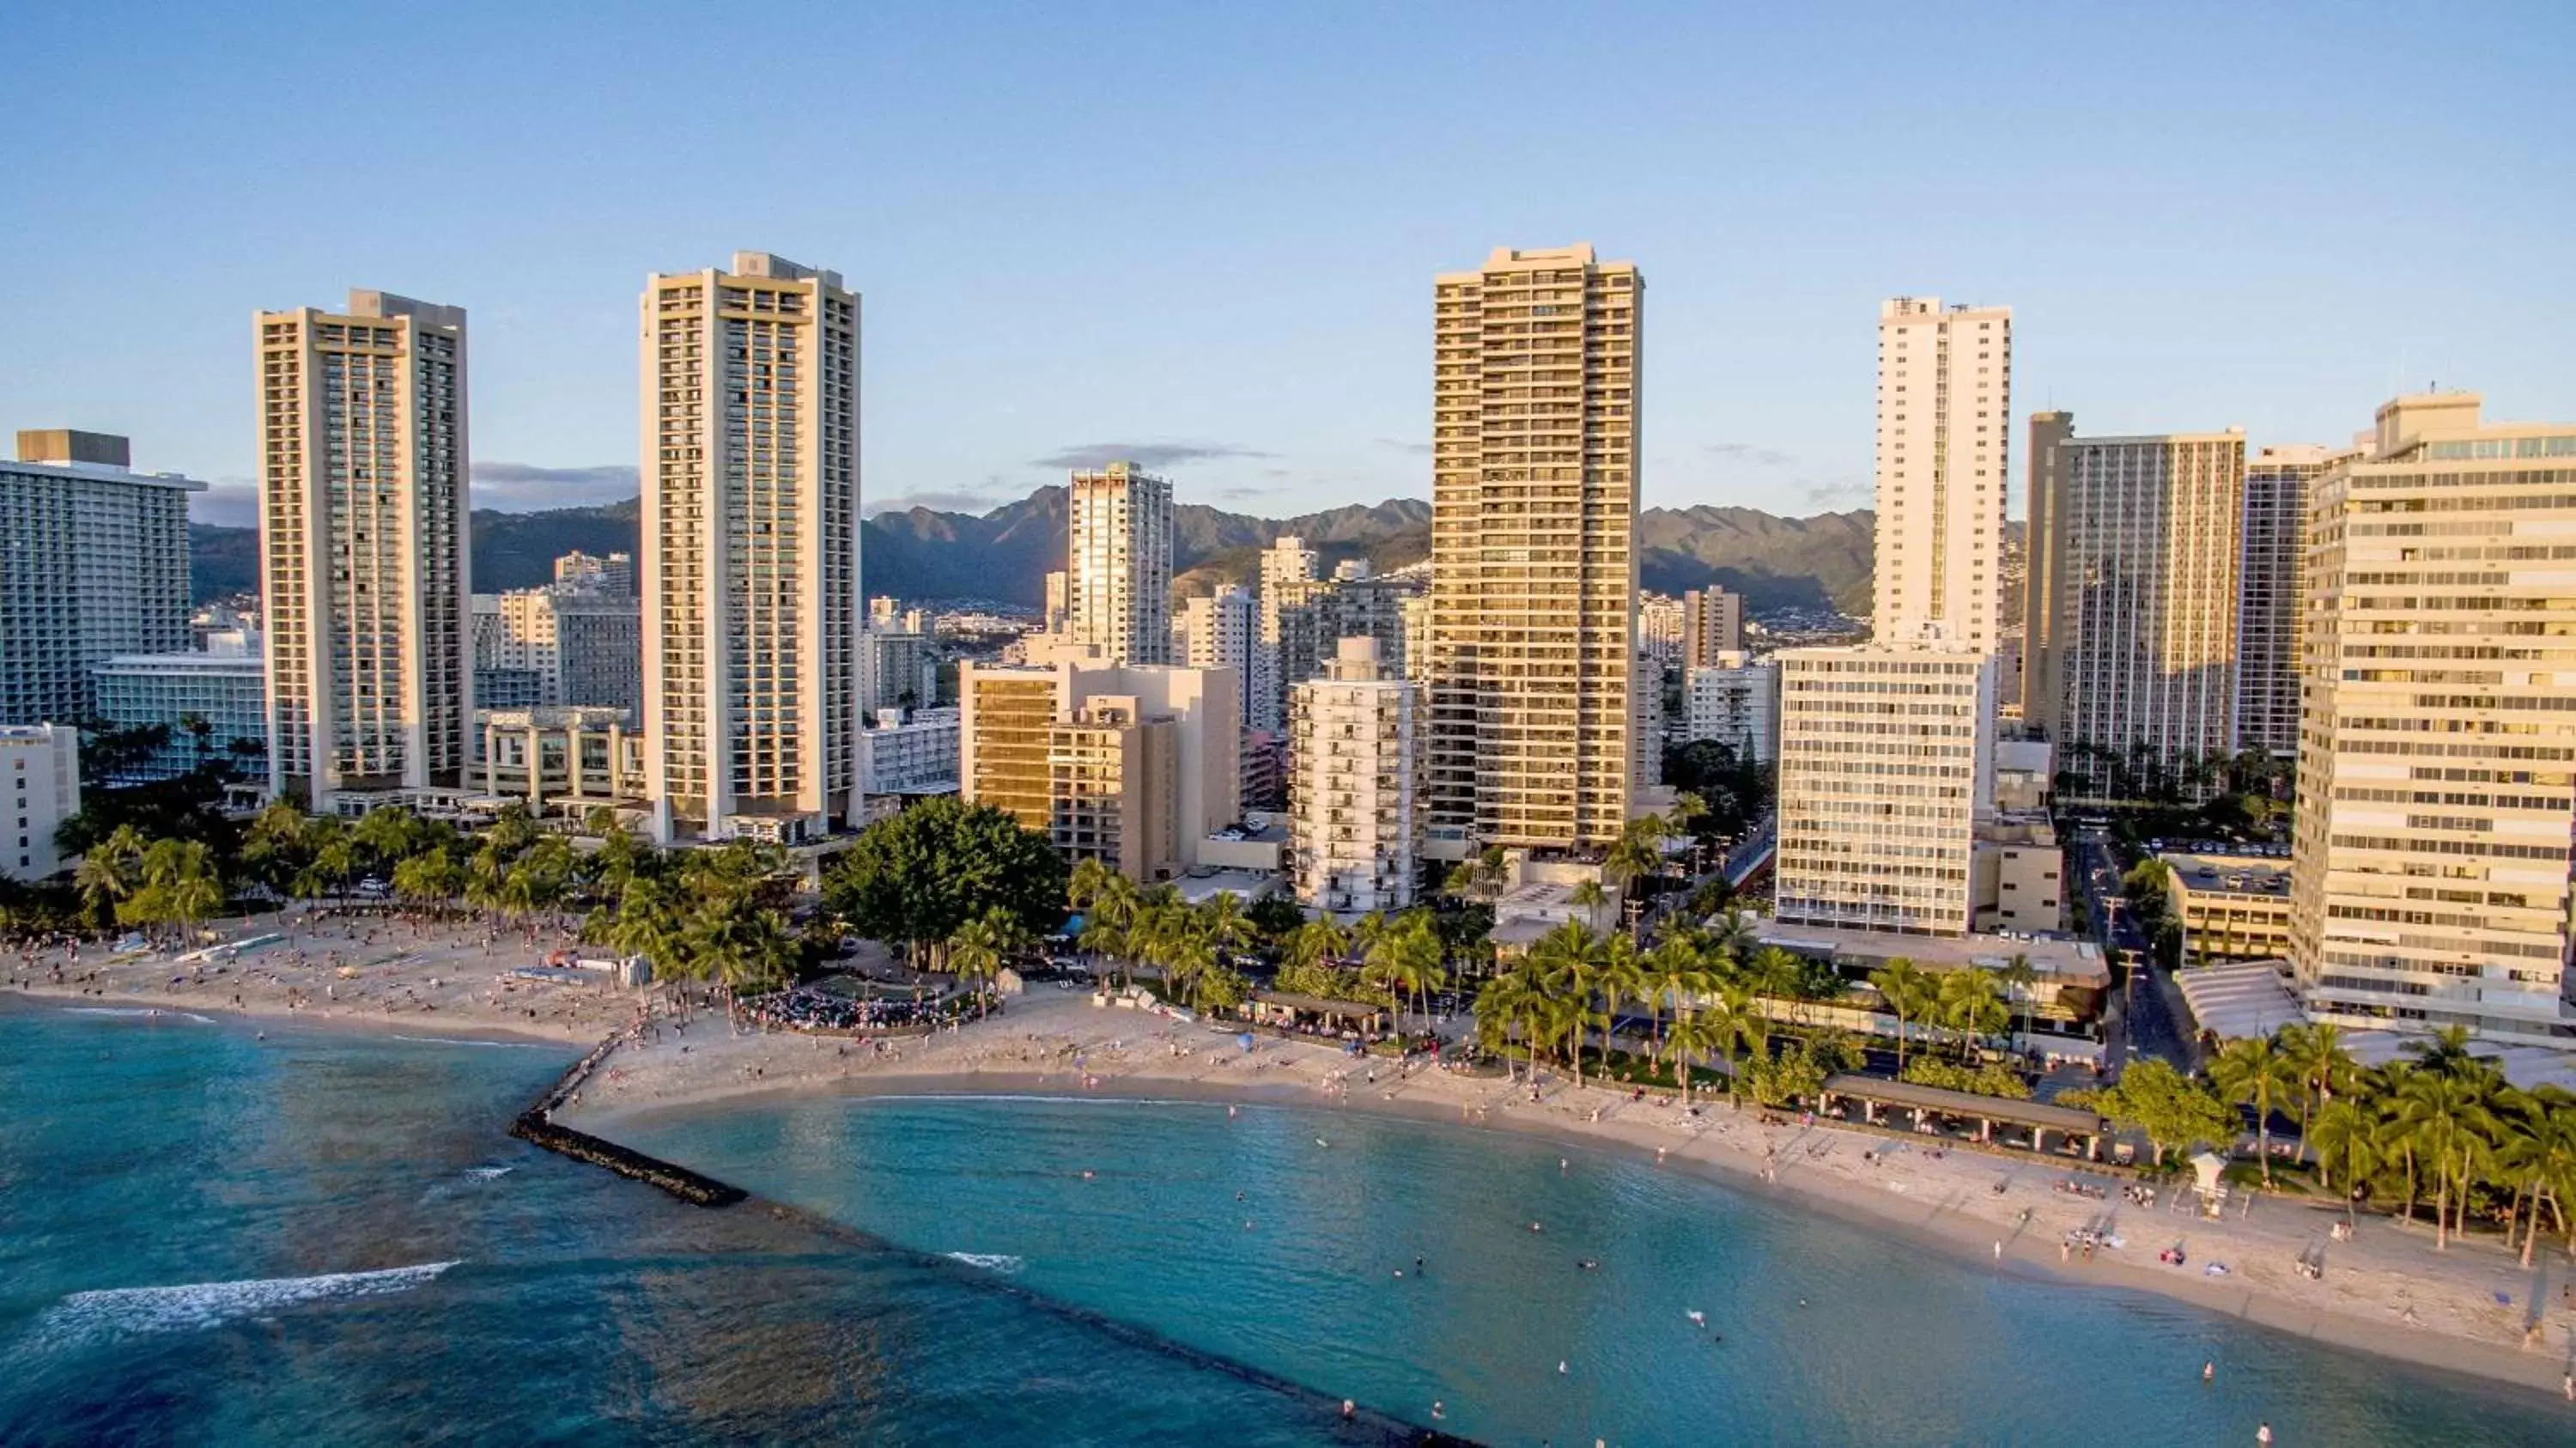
(209, 1238)
(206, 1237)
(1831, 1333)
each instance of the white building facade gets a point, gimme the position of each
(1944, 450)
(1355, 827)
(1735, 702)
(225, 687)
(1886, 763)
(1118, 564)
(93, 563)
(40, 787)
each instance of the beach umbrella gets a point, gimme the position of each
(1244, 1040)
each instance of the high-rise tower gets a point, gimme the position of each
(1118, 564)
(1944, 451)
(362, 529)
(1535, 400)
(750, 570)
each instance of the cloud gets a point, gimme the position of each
(1239, 494)
(527, 487)
(1418, 449)
(226, 503)
(1745, 452)
(1143, 454)
(1838, 493)
(938, 500)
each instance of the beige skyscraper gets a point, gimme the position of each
(1944, 451)
(750, 569)
(1536, 394)
(1118, 564)
(362, 529)
(1285, 645)
(2437, 745)
(2132, 650)
(2268, 593)
(1712, 624)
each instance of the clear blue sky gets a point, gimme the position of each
(1207, 232)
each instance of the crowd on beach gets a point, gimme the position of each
(805, 1008)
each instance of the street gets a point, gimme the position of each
(2147, 1016)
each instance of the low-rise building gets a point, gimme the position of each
(910, 752)
(2232, 907)
(561, 761)
(40, 788)
(2056, 1014)
(2019, 876)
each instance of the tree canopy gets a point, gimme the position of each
(918, 877)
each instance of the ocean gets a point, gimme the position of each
(324, 1237)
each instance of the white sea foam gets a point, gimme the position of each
(138, 1011)
(989, 1261)
(111, 1314)
(488, 1173)
(469, 1041)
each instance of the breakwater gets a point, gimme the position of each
(537, 1127)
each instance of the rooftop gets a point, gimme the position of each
(2070, 962)
(2231, 874)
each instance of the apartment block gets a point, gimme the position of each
(1284, 647)
(1536, 400)
(2268, 593)
(583, 643)
(2437, 740)
(1059, 744)
(613, 575)
(1217, 630)
(225, 688)
(1886, 762)
(1712, 624)
(2138, 640)
(897, 670)
(1734, 701)
(40, 787)
(750, 567)
(364, 569)
(911, 752)
(1355, 827)
(1944, 452)
(1118, 564)
(96, 565)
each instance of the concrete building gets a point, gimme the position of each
(2139, 637)
(751, 551)
(2232, 907)
(583, 642)
(1284, 647)
(2037, 688)
(561, 761)
(1536, 399)
(897, 670)
(40, 787)
(226, 687)
(1659, 630)
(1063, 743)
(1217, 631)
(2018, 877)
(613, 576)
(2025, 776)
(1886, 762)
(2437, 735)
(1355, 827)
(1366, 605)
(93, 563)
(1712, 624)
(1944, 453)
(1734, 701)
(1059, 590)
(2267, 610)
(911, 752)
(1415, 609)
(365, 597)
(1118, 564)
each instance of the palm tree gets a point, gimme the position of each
(107, 873)
(1622, 978)
(335, 855)
(1406, 960)
(2316, 1054)
(2018, 976)
(428, 878)
(1673, 972)
(2443, 1053)
(2540, 1156)
(2446, 1120)
(1693, 1036)
(1506, 1002)
(1971, 1004)
(1317, 942)
(979, 947)
(1735, 1019)
(2250, 1071)
(2346, 1135)
(1909, 992)
(1588, 896)
(1225, 925)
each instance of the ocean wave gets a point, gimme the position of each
(488, 1173)
(989, 1261)
(111, 1314)
(469, 1041)
(138, 1011)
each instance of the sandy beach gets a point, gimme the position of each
(443, 977)
(2468, 1309)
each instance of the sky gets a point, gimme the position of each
(1204, 236)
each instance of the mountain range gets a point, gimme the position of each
(1005, 554)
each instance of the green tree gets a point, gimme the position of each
(916, 877)
(1910, 994)
(2346, 1138)
(1971, 1003)
(2447, 1121)
(2174, 1111)
(429, 878)
(2251, 1071)
(110, 872)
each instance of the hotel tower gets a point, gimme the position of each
(750, 568)
(1118, 564)
(1535, 396)
(362, 530)
(1944, 450)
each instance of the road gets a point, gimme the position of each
(2147, 1018)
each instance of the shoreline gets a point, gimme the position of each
(21, 997)
(2435, 1312)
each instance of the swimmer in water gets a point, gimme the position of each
(2208, 1371)
(1698, 1318)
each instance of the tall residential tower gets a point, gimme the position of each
(364, 574)
(97, 566)
(1118, 564)
(1535, 454)
(1944, 451)
(750, 568)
